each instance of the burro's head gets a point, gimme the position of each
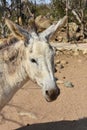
(41, 68)
(39, 57)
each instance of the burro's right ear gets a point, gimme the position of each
(17, 30)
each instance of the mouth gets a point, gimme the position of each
(51, 99)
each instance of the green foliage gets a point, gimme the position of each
(42, 10)
(58, 9)
(1, 11)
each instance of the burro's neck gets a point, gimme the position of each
(10, 83)
(17, 78)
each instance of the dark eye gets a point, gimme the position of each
(33, 60)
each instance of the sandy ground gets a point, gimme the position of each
(68, 112)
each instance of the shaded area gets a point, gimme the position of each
(60, 125)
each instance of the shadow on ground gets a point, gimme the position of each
(60, 125)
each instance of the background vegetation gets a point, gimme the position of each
(24, 10)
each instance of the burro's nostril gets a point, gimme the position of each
(52, 94)
(47, 92)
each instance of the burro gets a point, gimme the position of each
(27, 55)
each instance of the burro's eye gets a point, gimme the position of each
(33, 60)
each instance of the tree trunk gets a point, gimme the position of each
(4, 15)
(67, 22)
(82, 23)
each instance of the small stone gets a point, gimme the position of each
(55, 70)
(56, 79)
(60, 38)
(28, 114)
(57, 53)
(57, 61)
(84, 52)
(61, 66)
(64, 77)
(59, 82)
(64, 62)
(68, 84)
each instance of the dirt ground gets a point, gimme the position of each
(29, 109)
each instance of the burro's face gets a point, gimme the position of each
(41, 69)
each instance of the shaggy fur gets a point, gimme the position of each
(12, 73)
(8, 41)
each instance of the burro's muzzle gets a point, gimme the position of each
(50, 90)
(52, 94)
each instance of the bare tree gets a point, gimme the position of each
(67, 23)
(3, 31)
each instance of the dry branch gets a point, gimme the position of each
(74, 13)
(76, 16)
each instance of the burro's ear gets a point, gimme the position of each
(51, 30)
(17, 30)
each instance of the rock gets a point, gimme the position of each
(42, 22)
(57, 52)
(84, 51)
(59, 82)
(68, 84)
(56, 79)
(64, 77)
(63, 62)
(29, 114)
(73, 27)
(55, 70)
(76, 53)
(78, 35)
(85, 40)
(57, 61)
(60, 38)
(61, 66)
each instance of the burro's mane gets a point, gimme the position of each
(11, 52)
(7, 42)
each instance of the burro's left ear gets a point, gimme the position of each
(51, 30)
(17, 30)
